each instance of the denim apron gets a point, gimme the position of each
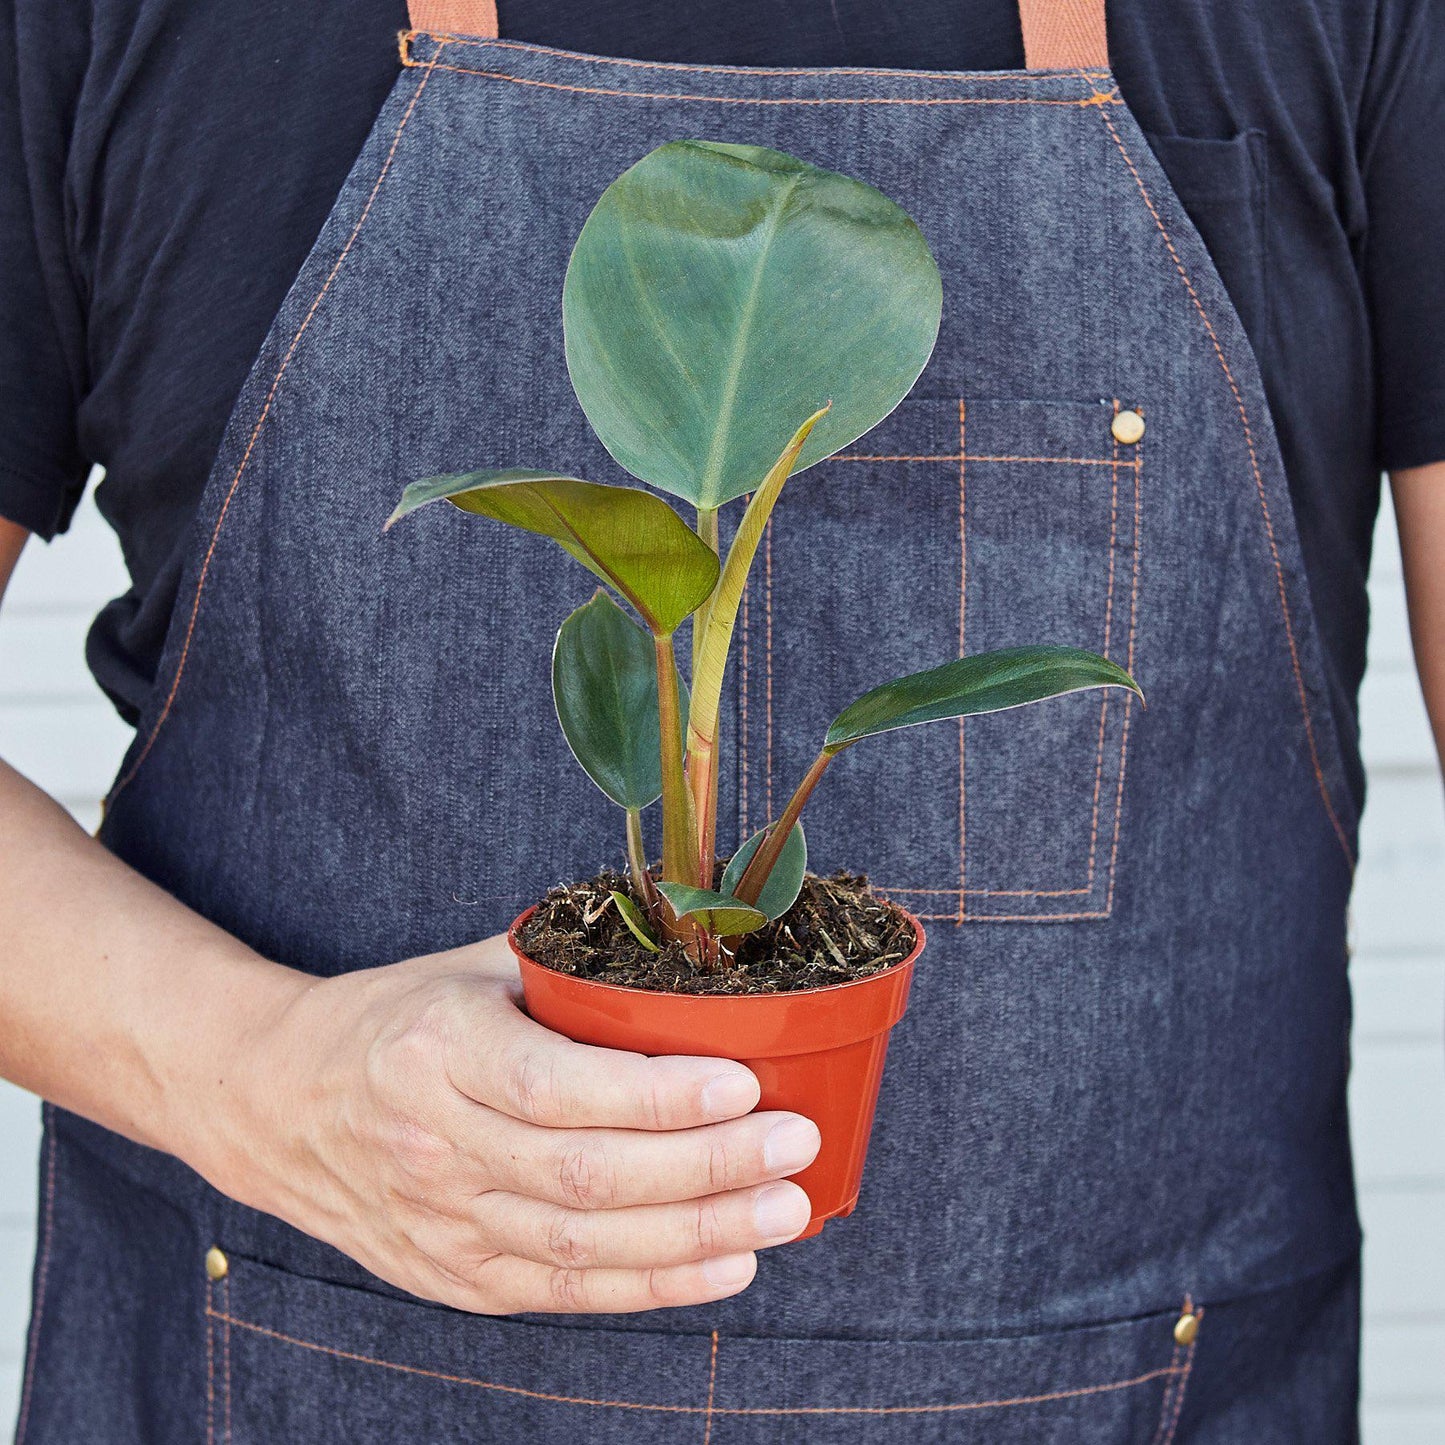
(1109, 1197)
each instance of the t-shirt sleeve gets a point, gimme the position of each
(42, 470)
(1402, 161)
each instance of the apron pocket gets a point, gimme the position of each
(296, 1359)
(955, 526)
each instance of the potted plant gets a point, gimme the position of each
(732, 315)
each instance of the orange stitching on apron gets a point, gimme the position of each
(41, 1281)
(1259, 488)
(1100, 99)
(1129, 668)
(975, 457)
(1174, 1393)
(743, 722)
(1181, 1385)
(226, 1358)
(768, 652)
(1165, 1372)
(1164, 1404)
(254, 437)
(407, 36)
(711, 1390)
(1108, 637)
(962, 613)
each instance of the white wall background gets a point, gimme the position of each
(56, 727)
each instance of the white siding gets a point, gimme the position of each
(56, 728)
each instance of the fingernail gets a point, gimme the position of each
(781, 1211)
(730, 1094)
(728, 1271)
(791, 1145)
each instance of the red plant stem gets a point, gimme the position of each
(637, 861)
(755, 875)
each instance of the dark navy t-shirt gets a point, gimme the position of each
(166, 164)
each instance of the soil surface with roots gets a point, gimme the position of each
(838, 931)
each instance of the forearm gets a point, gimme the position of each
(116, 1001)
(1419, 495)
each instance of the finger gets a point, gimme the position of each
(647, 1237)
(515, 1065)
(512, 1286)
(617, 1168)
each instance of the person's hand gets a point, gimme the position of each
(414, 1117)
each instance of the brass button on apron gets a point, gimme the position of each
(1127, 426)
(1186, 1329)
(218, 1266)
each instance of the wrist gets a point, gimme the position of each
(219, 1091)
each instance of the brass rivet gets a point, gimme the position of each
(218, 1266)
(1127, 426)
(1186, 1329)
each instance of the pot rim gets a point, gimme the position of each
(895, 971)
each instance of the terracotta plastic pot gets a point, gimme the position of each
(818, 1052)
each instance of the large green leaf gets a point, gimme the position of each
(717, 912)
(718, 293)
(986, 682)
(630, 539)
(784, 882)
(604, 682)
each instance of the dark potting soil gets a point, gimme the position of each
(839, 930)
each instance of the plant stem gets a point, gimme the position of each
(700, 762)
(707, 529)
(712, 641)
(637, 860)
(679, 844)
(755, 875)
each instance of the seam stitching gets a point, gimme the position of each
(256, 431)
(210, 1364)
(42, 1277)
(962, 907)
(1259, 488)
(957, 1407)
(226, 1359)
(711, 1390)
(607, 92)
(495, 43)
(973, 457)
(1181, 1383)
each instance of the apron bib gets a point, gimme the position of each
(1120, 1090)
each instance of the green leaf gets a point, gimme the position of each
(717, 293)
(636, 923)
(782, 886)
(604, 683)
(630, 539)
(717, 912)
(987, 682)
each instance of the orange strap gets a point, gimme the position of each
(1064, 34)
(455, 17)
(1058, 34)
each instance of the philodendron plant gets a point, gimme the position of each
(732, 316)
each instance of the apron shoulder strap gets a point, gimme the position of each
(455, 17)
(1058, 34)
(1064, 34)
